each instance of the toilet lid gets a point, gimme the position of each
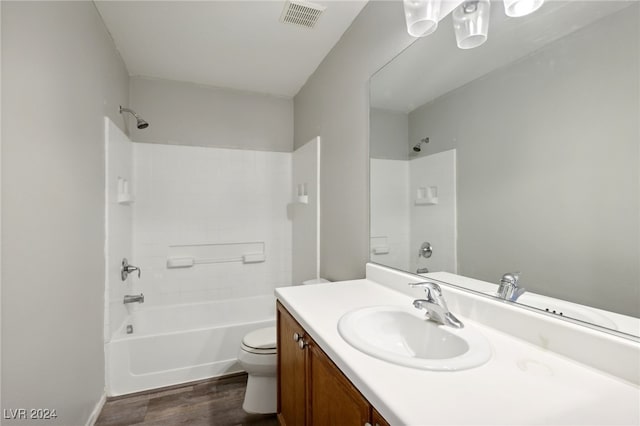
(263, 338)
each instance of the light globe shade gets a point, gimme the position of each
(517, 8)
(471, 23)
(422, 16)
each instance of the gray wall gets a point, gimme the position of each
(389, 135)
(334, 104)
(548, 166)
(60, 75)
(190, 114)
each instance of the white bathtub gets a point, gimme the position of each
(182, 343)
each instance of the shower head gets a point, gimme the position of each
(417, 148)
(140, 123)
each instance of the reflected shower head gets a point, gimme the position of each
(140, 123)
(417, 148)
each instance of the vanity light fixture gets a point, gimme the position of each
(471, 23)
(517, 8)
(422, 16)
(470, 18)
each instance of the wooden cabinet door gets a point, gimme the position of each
(291, 371)
(377, 419)
(333, 400)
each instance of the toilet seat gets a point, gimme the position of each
(258, 351)
(261, 341)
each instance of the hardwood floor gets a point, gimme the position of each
(214, 402)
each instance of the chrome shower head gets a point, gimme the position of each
(417, 148)
(140, 123)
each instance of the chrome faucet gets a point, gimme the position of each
(435, 305)
(133, 298)
(509, 289)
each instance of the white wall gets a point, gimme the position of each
(196, 195)
(390, 218)
(61, 75)
(190, 114)
(528, 131)
(334, 103)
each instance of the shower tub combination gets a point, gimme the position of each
(182, 343)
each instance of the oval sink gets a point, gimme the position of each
(404, 336)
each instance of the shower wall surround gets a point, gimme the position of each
(305, 211)
(119, 221)
(432, 207)
(401, 221)
(188, 195)
(390, 232)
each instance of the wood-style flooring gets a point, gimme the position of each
(213, 402)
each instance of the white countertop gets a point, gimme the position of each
(522, 384)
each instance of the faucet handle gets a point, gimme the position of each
(428, 285)
(509, 288)
(128, 269)
(511, 278)
(432, 290)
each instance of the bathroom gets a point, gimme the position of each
(207, 201)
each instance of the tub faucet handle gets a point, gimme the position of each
(128, 269)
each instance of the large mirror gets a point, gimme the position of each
(521, 155)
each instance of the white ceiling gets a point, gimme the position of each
(234, 44)
(433, 65)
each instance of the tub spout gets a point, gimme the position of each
(133, 298)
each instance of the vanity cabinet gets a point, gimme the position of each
(312, 391)
(377, 419)
(332, 399)
(292, 372)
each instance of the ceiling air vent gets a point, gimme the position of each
(301, 13)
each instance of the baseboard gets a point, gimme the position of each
(96, 410)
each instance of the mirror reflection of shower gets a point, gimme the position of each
(417, 148)
(140, 123)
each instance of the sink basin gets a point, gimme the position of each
(567, 309)
(403, 336)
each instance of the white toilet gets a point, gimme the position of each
(258, 357)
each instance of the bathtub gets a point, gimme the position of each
(182, 343)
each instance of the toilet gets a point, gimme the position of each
(258, 357)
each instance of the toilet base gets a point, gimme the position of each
(260, 397)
